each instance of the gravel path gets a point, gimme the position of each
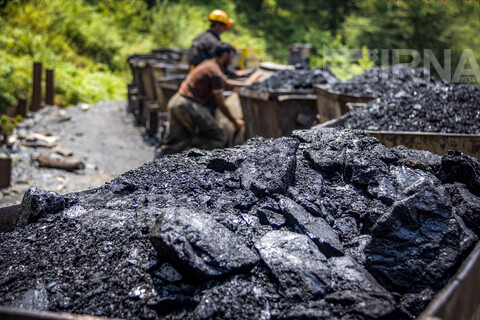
(103, 136)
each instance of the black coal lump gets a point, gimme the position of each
(37, 203)
(198, 245)
(315, 228)
(297, 263)
(457, 166)
(271, 169)
(419, 233)
(466, 205)
(327, 224)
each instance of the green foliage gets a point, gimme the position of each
(418, 25)
(7, 125)
(87, 42)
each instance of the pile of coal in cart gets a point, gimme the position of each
(327, 224)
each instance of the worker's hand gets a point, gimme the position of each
(239, 124)
(243, 73)
(253, 78)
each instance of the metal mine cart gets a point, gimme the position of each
(144, 95)
(438, 143)
(166, 88)
(332, 104)
(276, 113)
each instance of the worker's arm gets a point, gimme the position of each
(244, 72)
(220, 99)
(230, 83)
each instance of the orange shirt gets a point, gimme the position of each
(207, 78)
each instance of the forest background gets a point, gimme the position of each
(87, 42)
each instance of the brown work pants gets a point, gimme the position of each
(190, 125)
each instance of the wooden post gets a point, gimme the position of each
(50, 88)
(22, 107)
(37, 86)
(11, 111)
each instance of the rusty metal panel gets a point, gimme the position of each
(168, 86)
(146, 74)
(254, 93)
(262, 117)
(161, 70)
(438, 143)
(273, 114)
(332, 104)
(297, 112)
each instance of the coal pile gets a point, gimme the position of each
(327, 224)
(296, 80)
(388, 81)
(445, 108)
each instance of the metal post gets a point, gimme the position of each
(50, 94)
(37, 86)
(22, 107)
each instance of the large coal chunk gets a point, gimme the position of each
(327, 150)
(271, 168)
(269, 213)
(458, 167)
(355, 158)
(382, 189)
(330, 162)
(37, 203)
(198, 245)
(348, 274)
(315, 227)
(420, 159)
(297, 264)
(366, 160)
(363, 169)
(415, 244)
(307, 189)
(466, 206)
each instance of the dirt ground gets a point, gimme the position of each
(103, 137)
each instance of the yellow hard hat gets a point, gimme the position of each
(220, 16)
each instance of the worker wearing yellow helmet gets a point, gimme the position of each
(203, 46)
(221, 16)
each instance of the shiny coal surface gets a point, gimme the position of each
(386, 81)
(327, 224)
(296, 79)
(446, 108)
